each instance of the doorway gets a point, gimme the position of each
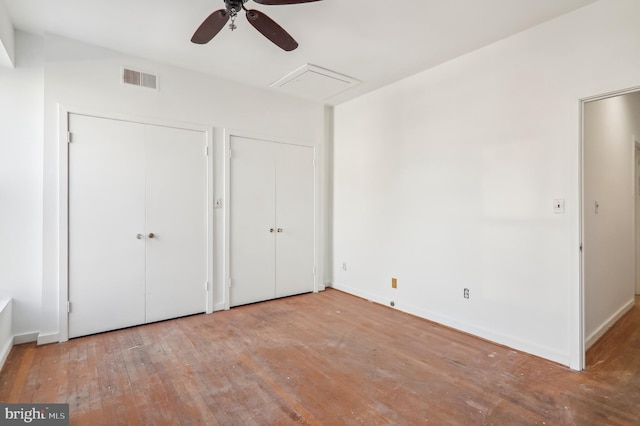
(610, 200)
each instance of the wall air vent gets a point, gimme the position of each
(139, 78)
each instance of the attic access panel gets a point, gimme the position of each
(315, 83)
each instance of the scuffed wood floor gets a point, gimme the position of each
(329, 359)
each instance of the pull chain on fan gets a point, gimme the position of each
(260, 21)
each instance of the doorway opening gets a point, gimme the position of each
(610, 211)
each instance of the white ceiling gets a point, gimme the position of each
(374, 41)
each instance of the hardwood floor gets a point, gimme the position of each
(323, 359)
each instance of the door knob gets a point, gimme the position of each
(279, 229)
(139, 236)
(271, 230)
(151, 235)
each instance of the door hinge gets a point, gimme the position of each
(68, 307)
(206, 151)
(314, 270)
(230, 153)
(69, 137)
(206, 286)
(580, 246)
(229, 285)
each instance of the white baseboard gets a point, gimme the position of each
(218, 307)
(45, 339)
(25, 338)
(483, 333)
(600, 331)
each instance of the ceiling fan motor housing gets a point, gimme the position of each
(234, 4)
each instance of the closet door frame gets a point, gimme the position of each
(226, 261)
(63, 209)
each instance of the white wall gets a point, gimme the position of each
(82, 77)
(7, 38)
(446, 180)
(609, 238)
(21, 115)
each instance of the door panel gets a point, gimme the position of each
(106, 212)
(295, 217)
(252, 215)
(176, 215)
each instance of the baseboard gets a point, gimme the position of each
(45, 339)
(600, 331)
(218, 307)
(482, 333)
(25, 338)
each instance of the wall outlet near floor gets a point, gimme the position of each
(394, 283)
(466, 293)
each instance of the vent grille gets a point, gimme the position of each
(149, 80)
(139, 78)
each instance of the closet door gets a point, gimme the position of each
(252, 221)
(294, 219)
(106, 214)
(176, 216)
(137, 224)
(272, 220)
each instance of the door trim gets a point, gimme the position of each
(226, 261)
(636, 191)
(63, 208)
(577, 347)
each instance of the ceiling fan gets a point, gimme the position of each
(261, 22)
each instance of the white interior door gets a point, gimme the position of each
(272, 220)
(137, 224)
(294, 219)
(176, 216)
(252, 221)
(106, 212)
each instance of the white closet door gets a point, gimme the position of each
(294, 219)
(106, 212)
(272, 220)
(176, 177)
(252, 221)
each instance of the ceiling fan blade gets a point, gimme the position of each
(210, 27)
(271, 30)
(276, 2)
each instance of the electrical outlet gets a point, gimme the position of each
(466, 293)
(394, 283)
(558, 205)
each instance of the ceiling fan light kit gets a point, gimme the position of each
(211, 26)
